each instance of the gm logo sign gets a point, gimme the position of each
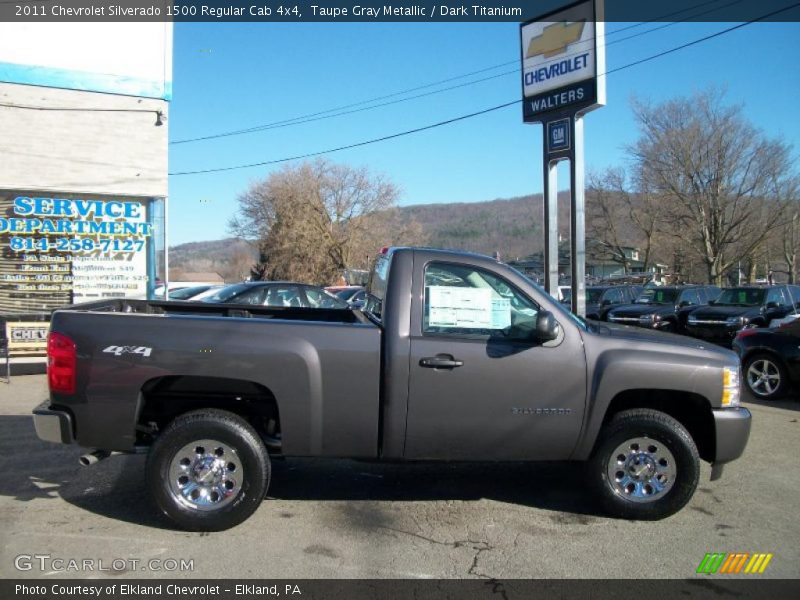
(734, 563)
(558, 136)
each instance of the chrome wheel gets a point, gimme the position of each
(641, 470)
(763, 377)
(205, 475)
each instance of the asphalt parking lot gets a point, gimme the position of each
(366, 520)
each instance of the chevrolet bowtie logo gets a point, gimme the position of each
(555, 38)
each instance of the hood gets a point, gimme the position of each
(637, 310)
(649, 336)
(723, 312)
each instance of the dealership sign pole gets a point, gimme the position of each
(563, 78)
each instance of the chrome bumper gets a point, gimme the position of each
(53, 425)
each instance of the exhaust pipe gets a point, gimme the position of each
(87, 460)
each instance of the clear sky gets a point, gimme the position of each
(240, 75)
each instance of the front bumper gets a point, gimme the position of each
(53, 425)
(732, 429)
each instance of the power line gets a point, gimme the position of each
(325, 114)
(481, 112)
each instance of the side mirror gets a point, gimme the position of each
(712, 302)
(607, 302)
(771, 305)
(684, 303)
(546, 327)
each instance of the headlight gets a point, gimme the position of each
(731, 389)
(739, 321)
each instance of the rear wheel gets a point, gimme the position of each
(208, 470)
(646, 465)
(765, 376)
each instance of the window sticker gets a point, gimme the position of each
(501, 313)
(464, 308)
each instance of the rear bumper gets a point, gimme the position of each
(732, 428)
(53, 425)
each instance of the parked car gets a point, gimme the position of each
(454, 357)
(742, 307)
(275, 293)
(352, 294)
(600, 299)
(191, 293)
(770, 359)
(663, 308)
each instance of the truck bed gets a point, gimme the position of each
(322, 366)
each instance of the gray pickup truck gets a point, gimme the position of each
(455, 357)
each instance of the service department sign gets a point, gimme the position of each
(563, 61)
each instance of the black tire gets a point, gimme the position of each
(670, 442)
(248, 484)
(762, 391)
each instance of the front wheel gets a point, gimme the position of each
(646, 465)
(208, 470)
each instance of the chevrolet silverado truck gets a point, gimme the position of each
(663, 308)
(742, 308)
(454, 357)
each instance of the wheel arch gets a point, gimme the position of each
(692, 410)
(162, 399)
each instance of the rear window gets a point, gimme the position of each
(376, 288)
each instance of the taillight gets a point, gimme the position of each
(750, 331)
(61, 363)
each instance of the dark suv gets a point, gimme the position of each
(663, 308)
(602, 298)
(742, 308)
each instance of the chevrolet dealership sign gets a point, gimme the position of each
(563, 61)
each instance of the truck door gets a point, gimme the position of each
(480, 387)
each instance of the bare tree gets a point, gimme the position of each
(607, 212)
(790, 241)
(622, 215)
(724, 184)
(314, 220)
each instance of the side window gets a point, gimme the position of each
(690, 297)
(465, 301)
(614, 296)
(319, 299)
(776, 295)
(254, 296)
(279, 295)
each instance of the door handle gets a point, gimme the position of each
(442, 361)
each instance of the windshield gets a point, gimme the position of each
(347, 293)
(657, 296)
(226, 293)
(741, 297)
